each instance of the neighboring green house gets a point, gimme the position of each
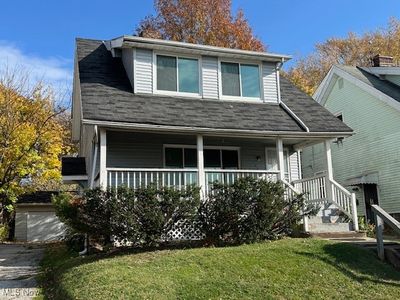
(368, 163)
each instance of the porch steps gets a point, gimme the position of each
(329, 227)
(350, 236)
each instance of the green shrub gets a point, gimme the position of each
(367, 227)
(141, 216)
(247, 211)
(75, 241)
(3, 233)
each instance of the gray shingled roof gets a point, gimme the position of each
(384, 86)
(107, 96)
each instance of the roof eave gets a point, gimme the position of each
(323, 90)
(217, 131)
(164, 45)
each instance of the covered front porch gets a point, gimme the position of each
(136, 159)
(139, 158)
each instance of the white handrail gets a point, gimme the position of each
(309, 178)
(381, 216)
(321, 189)
(340, 187)
(291, 187)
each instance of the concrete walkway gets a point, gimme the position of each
(19, 264)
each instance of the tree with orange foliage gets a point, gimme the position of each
(353, 50)
(207, 22)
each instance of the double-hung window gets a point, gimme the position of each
(177, 74)
(214, 158)
(180, 157)
(240, 80)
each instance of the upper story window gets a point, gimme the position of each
(177, 74)
(240, 80)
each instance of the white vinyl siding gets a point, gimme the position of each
(143, 81)
(144, 71)
(269, 82)
(210, 77)
(21, 226)
(373, 148)
(294, 166)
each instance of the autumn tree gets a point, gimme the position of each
(207, 22)
(31, 138)
(353, 50)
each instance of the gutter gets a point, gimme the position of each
(283, 105)
(94, 160)
(216, 131)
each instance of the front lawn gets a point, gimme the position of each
(289, 268)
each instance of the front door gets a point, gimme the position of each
(370, 197)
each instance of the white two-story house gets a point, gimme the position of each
(171, 113)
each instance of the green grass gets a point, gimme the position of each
(289, 268)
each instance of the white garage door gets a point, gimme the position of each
(44, 226)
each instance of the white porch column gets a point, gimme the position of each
(200, 167)
(329, 169)
(103, 153)
(281, 160)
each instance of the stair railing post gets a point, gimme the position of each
(354, 211)
(305, 223)
(379, 237)
(329, 171)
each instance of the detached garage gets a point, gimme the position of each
(35, 219)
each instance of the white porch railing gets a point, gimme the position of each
(314, 188)
(322, 190)
(141, 177)
(230, 176)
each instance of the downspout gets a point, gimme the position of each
(95, 140)
(94, 160)
(294, 116)
(283, 105)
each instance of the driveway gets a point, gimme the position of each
(19, 264)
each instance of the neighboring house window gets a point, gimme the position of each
(340, 116)
(240, 80)
(177, 74)
(177, 157)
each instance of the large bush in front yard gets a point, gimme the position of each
(141, 216)
(249, 210)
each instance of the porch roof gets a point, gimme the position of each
(107, 95)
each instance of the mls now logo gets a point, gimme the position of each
(18, 293)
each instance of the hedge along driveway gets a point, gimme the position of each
(289, 268)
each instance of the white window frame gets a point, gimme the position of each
(205, 147)
(240, 98)
(177, 93)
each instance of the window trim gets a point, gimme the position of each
(241, 98)
(183, 146)
(177, 93)
(339, 114)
